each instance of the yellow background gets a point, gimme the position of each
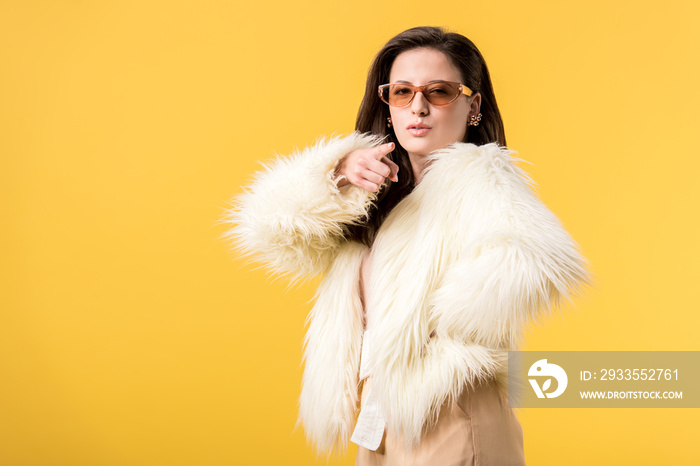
(130, 336)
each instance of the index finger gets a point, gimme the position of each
(384, 149)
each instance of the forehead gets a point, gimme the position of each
(420, 66)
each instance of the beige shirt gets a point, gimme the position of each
(370, 426)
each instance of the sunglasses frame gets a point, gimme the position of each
(416, 89)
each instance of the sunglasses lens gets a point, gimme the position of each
(441, 93)
(398, 95)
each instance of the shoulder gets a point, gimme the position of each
(465, 158)
(471, 170)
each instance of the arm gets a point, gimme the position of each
(293, 215)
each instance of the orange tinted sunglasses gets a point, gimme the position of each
(437, 93)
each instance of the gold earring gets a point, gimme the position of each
(388, 122)
(474, 120)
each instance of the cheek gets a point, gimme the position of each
(395, 115)
(399, 121)
(460, 130)
(458, 124)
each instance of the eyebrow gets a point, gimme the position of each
(429, 82)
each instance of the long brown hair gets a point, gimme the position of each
(373, 113)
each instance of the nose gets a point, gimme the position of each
(419, 105)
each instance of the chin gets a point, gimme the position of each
(421, 147)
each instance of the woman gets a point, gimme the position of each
(435, 254)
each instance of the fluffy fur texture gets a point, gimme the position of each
(332, 348)
(460, 266)
(292, 216)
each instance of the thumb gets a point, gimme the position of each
(393, 175)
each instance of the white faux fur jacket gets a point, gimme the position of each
(460, 266)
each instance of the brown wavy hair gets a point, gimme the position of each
(373, 113)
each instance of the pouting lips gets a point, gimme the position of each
(418, 126)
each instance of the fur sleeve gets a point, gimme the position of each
(332, 346)
(518, 259)
(293, 216)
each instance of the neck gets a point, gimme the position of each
(419, 163)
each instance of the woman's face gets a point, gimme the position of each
(447, 123)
